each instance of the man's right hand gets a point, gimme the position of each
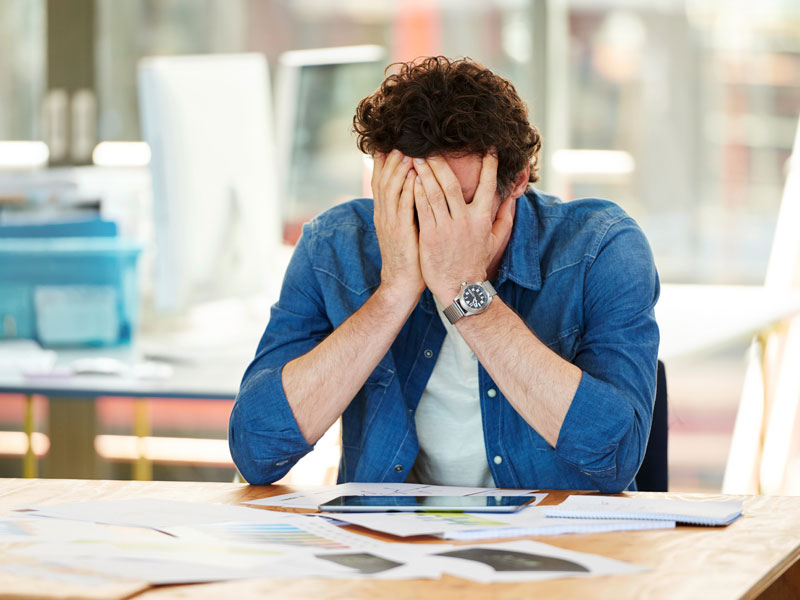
(398, 237)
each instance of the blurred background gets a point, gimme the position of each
(177, 146)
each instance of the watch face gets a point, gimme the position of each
(475, 297)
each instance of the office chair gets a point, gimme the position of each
(653, 475)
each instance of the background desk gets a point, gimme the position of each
(755, 557)
(72, 417)
(693, 319)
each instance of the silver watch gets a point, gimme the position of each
(473, 299)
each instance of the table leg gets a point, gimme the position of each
(30, 467)
(143, 467)
(72, 429)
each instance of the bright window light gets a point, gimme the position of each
(164, 449)
(121, 154)
(593, 162)
(23, 155)
(15, 443)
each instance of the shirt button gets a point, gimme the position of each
(398, 468)
(491, 393)
(428, 353)
(498, 459)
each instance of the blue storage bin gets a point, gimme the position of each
(82, 228)
(81, 291)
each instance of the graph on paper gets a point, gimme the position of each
(273, 533)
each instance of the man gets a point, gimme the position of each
(467, 329)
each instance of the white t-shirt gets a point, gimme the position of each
(449, 420)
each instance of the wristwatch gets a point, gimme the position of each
(473, 299)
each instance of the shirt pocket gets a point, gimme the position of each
(350, 257)
(565, 344)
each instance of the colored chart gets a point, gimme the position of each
(273, 533)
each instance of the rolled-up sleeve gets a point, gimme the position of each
(605, 432)
(264, 438)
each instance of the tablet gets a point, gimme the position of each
(502, 504)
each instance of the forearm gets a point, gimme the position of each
(320, 384)
(538, 383)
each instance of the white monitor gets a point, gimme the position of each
(208, 121)
(317, 91)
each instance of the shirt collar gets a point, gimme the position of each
(520, 262)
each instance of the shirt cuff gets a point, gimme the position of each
(264, 436)
(596, 422)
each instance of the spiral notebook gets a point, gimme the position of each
(552, 526)
(688, 512)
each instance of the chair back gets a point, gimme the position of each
(653, 474)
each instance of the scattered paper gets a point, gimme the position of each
(698, 512)
(211, 542)
(282, 528)
(523, 561)
(70, 577)
(552, 526)
(311, 499)
(147, 512)
(297, 546)
(472, 526)
(211, 554)
(526, 561)
(33, 529)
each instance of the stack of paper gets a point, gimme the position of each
(163, 542)
(482, 526)
(681, 511)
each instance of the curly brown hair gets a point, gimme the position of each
(437, 105)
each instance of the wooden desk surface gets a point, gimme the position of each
(756, 556)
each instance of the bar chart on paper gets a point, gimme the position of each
(273, 533)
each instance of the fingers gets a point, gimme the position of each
(388, 183)
(378, 160)
(449, 183)
(405, 207)
(505, 217)
(487, 184)
(432, 190)
(427, 219)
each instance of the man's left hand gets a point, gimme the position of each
(457, 240)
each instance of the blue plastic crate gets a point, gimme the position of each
(81, 228)
(69, 291)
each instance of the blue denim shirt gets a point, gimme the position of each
(581, 276)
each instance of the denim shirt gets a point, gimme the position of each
(580, 275)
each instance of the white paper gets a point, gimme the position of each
(524, 561)
(553, 526)
(160, 572)
(459, 526)
(311, 499)
(164, 559)
(164, 549)
(147, 512)
(33, 529)
(78, 577)
(299, 547)
(683, 511)
(322, 544)
(283, 528)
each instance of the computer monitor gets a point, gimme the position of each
(317, 91)
(208, 120)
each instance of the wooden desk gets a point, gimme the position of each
(755, 557)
